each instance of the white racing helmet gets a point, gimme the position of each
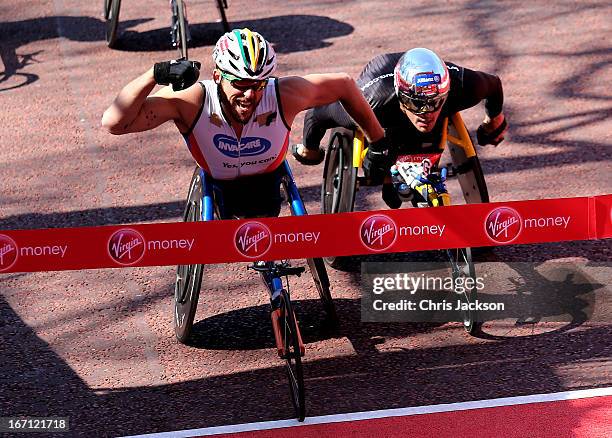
(421, 81)
(245, 55)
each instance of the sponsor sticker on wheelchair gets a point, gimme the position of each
(253, 239)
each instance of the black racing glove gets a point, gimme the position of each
(181, 73)
(376, 163)
(494, 137)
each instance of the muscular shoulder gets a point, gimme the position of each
(456, 74)
(187, 103)
(378, 66)
(376, 80)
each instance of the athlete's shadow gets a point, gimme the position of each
(250, 328)
(542, 299)
(538, 298)
(15, 34)
(281, 31)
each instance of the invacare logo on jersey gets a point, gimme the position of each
(126, 246)
(378, 232)
(253, 239)
(8, 252)
(248, 147)
(503, 225)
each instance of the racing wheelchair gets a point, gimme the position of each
(179, 27)
(203, 205)
(422, 183)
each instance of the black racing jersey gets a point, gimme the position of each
(467, 89)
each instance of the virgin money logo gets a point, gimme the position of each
(8, 252)
(378, 232)
(253, 239)
(126, 246)
(503, 225)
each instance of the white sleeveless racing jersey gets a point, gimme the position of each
(261, 148)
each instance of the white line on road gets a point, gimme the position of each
(357, 416)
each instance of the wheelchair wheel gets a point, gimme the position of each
(462, 266)
(111, 15)
(470, 175)
(293, 356)
(473, 184)
(188, 277)
(319, 274)
(339, 180)
(222, 5)
(182, 30)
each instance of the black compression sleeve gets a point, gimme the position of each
(478, 85)
(320, 119)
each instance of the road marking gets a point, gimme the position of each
(357, 416)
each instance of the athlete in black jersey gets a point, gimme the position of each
(408, 93)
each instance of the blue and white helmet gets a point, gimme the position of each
(245, 55)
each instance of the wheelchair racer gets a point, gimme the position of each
(236, 124)
(411, 94)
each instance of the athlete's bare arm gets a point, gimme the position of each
(301, 93)
(133, 110)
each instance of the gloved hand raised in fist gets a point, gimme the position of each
(181, 73)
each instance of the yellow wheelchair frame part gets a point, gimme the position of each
(463, 141)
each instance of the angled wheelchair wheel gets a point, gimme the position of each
(470, 175)
(462, 266)
(339, 181)
(473, 184)
(182, 30)
(188, 277)
(319, 274)
(293, 356)
(111, 16)
(222, 6)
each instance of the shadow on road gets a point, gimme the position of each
(281, 31)
(38, 382)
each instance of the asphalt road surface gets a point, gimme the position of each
(98, 346)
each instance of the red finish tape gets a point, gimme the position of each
(298, 237)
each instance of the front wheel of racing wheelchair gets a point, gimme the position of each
(200, 207)
(315, 265)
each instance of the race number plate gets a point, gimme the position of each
(425, 161)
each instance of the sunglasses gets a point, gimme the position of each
(244, 84)
(419, 105)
